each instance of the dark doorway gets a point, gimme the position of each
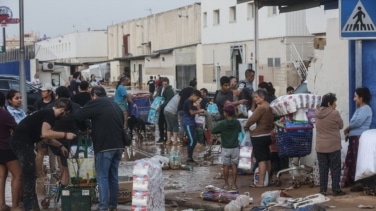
(236, 59)
(184, 73)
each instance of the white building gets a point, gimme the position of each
(59, 57)
(228, 43)
(166, 44)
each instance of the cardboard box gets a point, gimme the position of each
(125, 191)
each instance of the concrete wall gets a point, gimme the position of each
(172, 34)
(271, 25)
(281, 77)
(74, 47)
(170, 29)
(329, 73)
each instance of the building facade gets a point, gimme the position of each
(58, 57)
(228, 43)
(165, 44)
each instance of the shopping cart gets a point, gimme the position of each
(294, 143)
(51, 191)
(142, 100)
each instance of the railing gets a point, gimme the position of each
(12, 55)
(298, 62)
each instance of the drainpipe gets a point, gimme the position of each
(256, 25)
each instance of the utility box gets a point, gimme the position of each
(76, 198)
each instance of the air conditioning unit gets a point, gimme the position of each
(48, 66)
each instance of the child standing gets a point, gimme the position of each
(189, 123)
(229, 130)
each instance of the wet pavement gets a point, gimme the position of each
(183, 187)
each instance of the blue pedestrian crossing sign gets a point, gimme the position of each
(358, 18)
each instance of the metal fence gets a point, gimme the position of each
(12, 55)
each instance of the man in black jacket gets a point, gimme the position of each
(107, 132)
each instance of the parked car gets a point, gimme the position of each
(8, 82)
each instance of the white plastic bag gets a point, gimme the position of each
(269, 197)
(233, 206)
(243, 200)
(256, 177)
(200, 121)
(252, 127)
(366, 162)
(246, 140)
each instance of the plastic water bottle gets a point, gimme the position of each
(257, 177)
(174, 160)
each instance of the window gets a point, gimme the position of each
(270, 62)
(232, 17)
(277, 62)
(250, 12)
(205, 19)
(4, 85)
(272, 10)
(216, 16)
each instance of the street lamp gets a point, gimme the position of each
(22, 57)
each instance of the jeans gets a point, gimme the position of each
(106, 166)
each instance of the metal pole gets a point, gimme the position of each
(256, 28)
(4, 40)
(22, 58)
(358, 64)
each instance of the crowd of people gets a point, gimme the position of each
(82, 107)
(184, 106)
(60, 117)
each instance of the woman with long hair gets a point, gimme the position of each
(8, 160)
(360, 121)
(14, 105)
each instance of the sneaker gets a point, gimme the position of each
(168, 142)
(324, 193)
(160, 141)
(175, 143)
(339, 193)
(190, 160)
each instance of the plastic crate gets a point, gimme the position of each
(294, 142)
(76, 198)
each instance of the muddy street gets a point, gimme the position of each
(183, 187)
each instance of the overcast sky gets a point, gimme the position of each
(54, 17)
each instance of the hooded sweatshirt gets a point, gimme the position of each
(328, 125)
(229, 130)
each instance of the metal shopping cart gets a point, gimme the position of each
(294, 143)
(142, 100)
